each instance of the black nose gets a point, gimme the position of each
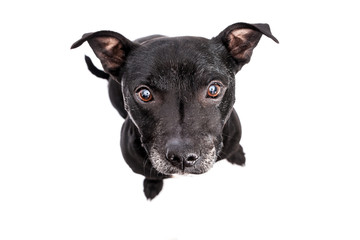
(181, 161)
(179, 154)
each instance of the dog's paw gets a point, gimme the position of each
(152, 187)
(238, 157)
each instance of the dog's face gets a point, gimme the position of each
(179, 92)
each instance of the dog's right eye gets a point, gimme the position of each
(144, 94)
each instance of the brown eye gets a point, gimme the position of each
(214, 90)
(145, 95)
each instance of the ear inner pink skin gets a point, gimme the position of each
(109, 51)
(242, 42)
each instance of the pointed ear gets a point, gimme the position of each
(110, 47)
(240, 39)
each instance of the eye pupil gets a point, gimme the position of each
(213, 90)
(145, 95)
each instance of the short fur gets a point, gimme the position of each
(181, 128)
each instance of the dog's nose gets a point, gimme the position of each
(182, 161)
(179, 155)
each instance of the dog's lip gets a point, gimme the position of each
(193, 170)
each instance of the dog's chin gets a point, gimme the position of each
(163, 166)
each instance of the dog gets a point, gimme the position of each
(176, 95)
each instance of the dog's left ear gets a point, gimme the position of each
(110, 47)
(240, 39)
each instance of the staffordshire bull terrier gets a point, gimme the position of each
(176, 95)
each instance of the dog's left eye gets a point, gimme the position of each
(214, 90)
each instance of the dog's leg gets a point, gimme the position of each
(238, 157)
(152, 187)
(232, 150)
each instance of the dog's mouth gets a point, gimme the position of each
(191, 164)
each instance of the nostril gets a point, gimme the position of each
(173, 158)
(192, 157)
(191, 160)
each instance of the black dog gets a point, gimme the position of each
(176, 95)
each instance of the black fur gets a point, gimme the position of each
(181, 127)
(94, 70)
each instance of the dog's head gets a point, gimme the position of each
(179, 92)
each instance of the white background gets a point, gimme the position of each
(61, 171)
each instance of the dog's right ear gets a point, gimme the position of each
(110, 47)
